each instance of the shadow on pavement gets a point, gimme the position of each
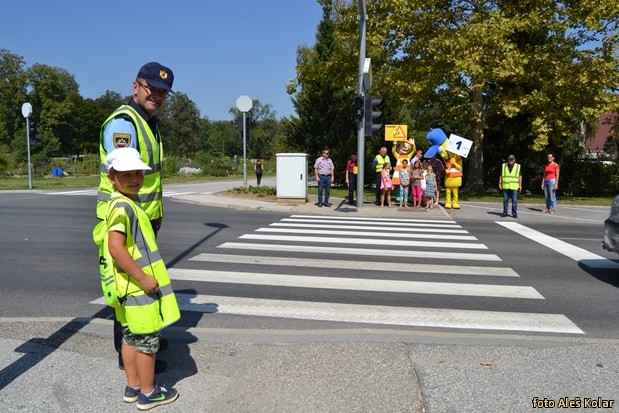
(180, 363)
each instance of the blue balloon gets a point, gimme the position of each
(436, 137)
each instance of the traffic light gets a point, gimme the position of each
(358, 108)
(239, 126)
(373, 115)
(33, 132)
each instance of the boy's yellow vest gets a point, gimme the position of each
(142, 313)
(151, 152)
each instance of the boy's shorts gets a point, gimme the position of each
(143, 343)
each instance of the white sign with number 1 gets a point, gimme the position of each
(459, 145)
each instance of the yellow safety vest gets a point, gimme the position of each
(143, 313)
(511, 180)
(380, 161)
(151, 152)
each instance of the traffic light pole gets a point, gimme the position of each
(361, 122)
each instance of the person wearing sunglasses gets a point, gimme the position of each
(135, 125)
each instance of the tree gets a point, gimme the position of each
(12, 95)
(264, 132)
(55, 100)
(180, 119)
(323, 93)
(222, 139)
(531, 60)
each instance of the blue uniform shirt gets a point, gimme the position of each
(119, 133)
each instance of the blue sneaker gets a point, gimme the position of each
(131, 394)
(159, 397)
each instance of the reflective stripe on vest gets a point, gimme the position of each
(148, 299)
(150, 196)
(142, 313)
(511, 180)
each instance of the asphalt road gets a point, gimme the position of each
(49, 264)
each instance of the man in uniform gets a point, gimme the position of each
(135, 125)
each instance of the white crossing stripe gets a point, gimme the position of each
(357, 265)
(170, 193)
(367, 241)
(368, 227)
(368, 221)
(370, 314)
(355, 284)
(583, 256)
(364, 234)
(94, 192)
(404, 253)
(75, 192)
(385, 220)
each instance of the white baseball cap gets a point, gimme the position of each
(125, 159)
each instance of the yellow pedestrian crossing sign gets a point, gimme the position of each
(396, 132)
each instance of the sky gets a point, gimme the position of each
(218, 50)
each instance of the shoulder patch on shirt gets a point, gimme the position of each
(121, 140)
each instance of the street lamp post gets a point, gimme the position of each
(26, 111)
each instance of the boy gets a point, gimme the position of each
(147, 302)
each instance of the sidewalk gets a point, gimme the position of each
(71, 367)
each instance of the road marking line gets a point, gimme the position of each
(378, 227)
(94, 192)
(397, 220)
(357, 265)
(583, 256)
(355, 284)
(358, 221)
(369, 314)
(367, 241)
(365, 234)
(361, 251)
(79, 192)
(166, 193)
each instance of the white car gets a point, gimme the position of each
(611, 228)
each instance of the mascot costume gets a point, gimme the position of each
(453, 166)
(401, 150)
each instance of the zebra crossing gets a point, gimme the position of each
(282, 252)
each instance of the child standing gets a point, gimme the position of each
(430, 187)
(385, 185)
(146, 302)
(405, 183)
(417, 176)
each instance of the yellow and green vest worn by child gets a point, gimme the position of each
(142, 313)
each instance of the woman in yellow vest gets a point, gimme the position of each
(510, 182)
(146, 300)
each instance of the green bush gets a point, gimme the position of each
(215, 165)
(170, 166)
(259, 191)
